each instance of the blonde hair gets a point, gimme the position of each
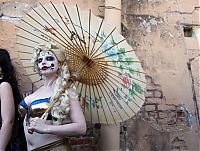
(60, 109)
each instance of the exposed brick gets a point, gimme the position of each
(153, 114)
(154, 100)
(178, 143)
(143, 114)
(162, 122)
(163, 115)
(149, 94)
(148, 79)
(157, 94)
(151, 87)
(166, 107)
(150, 108)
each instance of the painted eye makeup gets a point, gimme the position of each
(50, 58)
(40, 60)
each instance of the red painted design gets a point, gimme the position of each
(126, 81)
(51, 30)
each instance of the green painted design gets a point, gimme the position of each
(95, 103)
(135, 88)
(125, 67)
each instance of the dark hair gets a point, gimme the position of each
(9, 75)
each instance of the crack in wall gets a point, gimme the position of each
(184, 13)
(9, 18)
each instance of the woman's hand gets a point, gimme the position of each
(38, 124)
(72, 93)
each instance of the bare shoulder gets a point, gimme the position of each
(5, 86)
(5, 90)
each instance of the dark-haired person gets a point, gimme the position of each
(9, 99)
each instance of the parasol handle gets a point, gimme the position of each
(72, 79)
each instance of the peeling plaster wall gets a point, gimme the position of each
(160, 43)
(155, 29)
(7, 41)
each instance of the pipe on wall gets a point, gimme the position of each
(110, 134)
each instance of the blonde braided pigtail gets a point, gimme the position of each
(61, 108)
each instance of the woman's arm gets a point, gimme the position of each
(77, 127)
(7, 114)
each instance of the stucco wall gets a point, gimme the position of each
(160, 42)
(155, 29)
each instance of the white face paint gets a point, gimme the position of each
(47, 63)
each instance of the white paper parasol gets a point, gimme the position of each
(112, 82)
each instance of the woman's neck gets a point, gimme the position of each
(49, 80)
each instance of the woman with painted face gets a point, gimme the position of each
(10, 127)
(65, 118)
